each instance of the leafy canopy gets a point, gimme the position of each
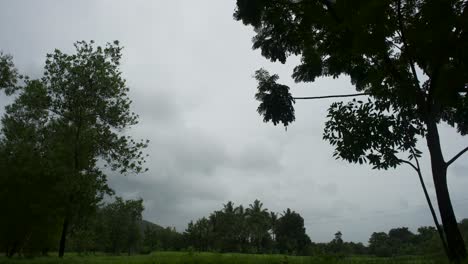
(409, 56)
(88, 96)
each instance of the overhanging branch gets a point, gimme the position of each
(456, 156)
(411, 164)
(330, 96)
(417, 168)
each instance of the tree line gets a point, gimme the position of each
(57, 137)
(256, 230)
(114, 228)
(248, 230)
(238, 229)
(118, 228)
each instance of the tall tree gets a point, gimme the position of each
(77, 113)
(241, 228)
(409, 56)
(336, 245)
(290, 233)
(30, 222)
(89, 109)
(258, 223)
(224, 227)
(121, 225)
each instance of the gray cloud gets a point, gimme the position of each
(329, 188)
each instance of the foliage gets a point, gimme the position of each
(401, 241)
(8, 74)
(216, 258)
(120, 220)
(56, 135)
(32, 215)
(276, 103)
(115, 228)
(253, 230)
(290, 233)
(409, 56)
(159, 238)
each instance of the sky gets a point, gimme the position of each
(189, 67)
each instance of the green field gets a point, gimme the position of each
(211, 258)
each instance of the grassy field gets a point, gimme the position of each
(210, 258)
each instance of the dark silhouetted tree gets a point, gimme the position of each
(30, 222)
(290, 233)
(258, 224)
(379, 245)
(409, 57)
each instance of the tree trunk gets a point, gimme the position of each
(455, 243)
(433, 213)
(63, 237)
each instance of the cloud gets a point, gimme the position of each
(329, 188)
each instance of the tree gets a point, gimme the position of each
(336, 245)
(379, 244)
(88, 107)
(401, 240)
(200, 234)
(150, 239)
(427, 241)
(120, 222)
(225, 227)
(31, 221)
(385, 47)
(254, 230)
(290, 233)
(258, 223)
(75, 115)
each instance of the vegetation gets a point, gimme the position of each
(251, 230)
(117, 228)
(54, 136)
(217, 258)
(408, 56)
(64, 131)
(233, 229)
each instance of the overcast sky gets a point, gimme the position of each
(189, 67)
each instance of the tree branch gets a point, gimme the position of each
(405, 45)
(330, 96)
(411, 164)
(417, 168)
(456, 157)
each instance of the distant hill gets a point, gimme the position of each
(147, 224)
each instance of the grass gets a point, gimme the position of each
(209, 258)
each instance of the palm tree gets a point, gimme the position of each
(228, 208)
(258, 220)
